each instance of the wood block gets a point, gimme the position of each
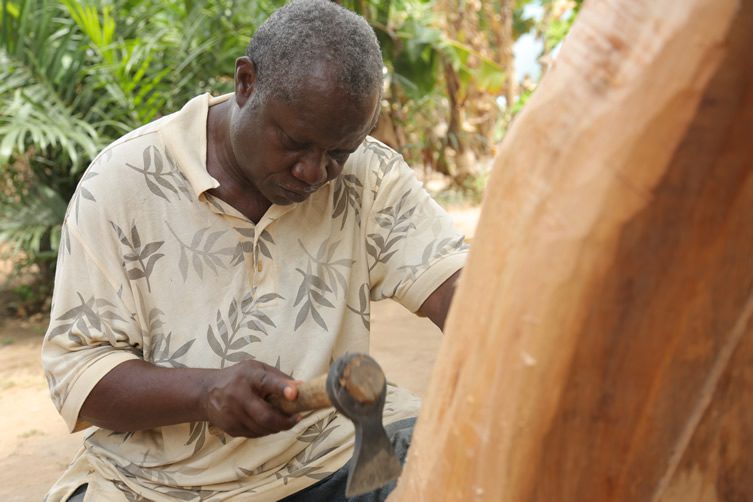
(600, 344)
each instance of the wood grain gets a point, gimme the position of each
(599, 347)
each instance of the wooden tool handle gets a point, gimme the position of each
(312, 395)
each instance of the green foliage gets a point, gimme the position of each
(76, 75)
(555, 29)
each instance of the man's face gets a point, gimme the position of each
(287, 151)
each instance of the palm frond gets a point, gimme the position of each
(30, 224)
(32, 115)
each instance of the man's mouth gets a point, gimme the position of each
(294, 195)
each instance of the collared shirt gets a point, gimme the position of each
(153, 267)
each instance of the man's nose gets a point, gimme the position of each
(311, 168)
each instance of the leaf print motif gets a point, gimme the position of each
(129, 494)
(82, 192)
(364, 306)
(318, 432)
(58, 394)
(323, 276)
(197, 435)
(141, 260)
(124, 435)
(188, 493)
(387, 157)
(327, 268)
(347, 195)
(162, 355)
(91, 317)
(160, 174)
(432, 252)
(295, 469)
(311, 290)
(264, 239)
(227, 339)
(65, 242)
(299, 466)
(289, 372)
(379, 149)
(158, 476)
(396, 220)
(246, 245)
(202, 253)
(248, 473)
(218, 433)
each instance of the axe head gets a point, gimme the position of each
(374, 463)
(357, 388)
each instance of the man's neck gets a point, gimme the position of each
(234, 188)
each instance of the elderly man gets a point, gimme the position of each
(212, 258)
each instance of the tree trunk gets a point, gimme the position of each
(601, 343)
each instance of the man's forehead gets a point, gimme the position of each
(327, 119)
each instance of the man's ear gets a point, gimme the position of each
(245, 80)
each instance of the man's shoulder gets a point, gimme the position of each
(137, 168)
(135, 141)
(371, 161)
(374, 153)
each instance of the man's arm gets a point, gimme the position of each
(438, 304)
(138, 395)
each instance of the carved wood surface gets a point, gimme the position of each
(600, 346)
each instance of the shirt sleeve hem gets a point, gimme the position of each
(431, 279)
(85, 383)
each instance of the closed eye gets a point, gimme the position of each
(289, 143)
(340, 157)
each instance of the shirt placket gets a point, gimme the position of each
(261, 265)
(258, 266)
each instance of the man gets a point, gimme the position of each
(210, 258)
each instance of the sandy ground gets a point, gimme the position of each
(35, 446)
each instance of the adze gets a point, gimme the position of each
(355, 385)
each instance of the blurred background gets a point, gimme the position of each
(75, 75)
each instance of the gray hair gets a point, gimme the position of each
(303, 33)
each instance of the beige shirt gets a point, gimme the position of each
(153, 267)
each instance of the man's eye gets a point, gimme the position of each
(288, 143)
(339, 157)
(292, 145)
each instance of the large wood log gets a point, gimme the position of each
(600, 346)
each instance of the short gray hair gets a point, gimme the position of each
(289, 44)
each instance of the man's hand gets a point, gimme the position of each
(137, 395)
(236, 399)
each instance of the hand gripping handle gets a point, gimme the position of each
(312, 395)
(357, 375)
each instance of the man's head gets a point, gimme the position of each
(306, 95)
(305, 33)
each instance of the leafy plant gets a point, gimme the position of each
(75, 75)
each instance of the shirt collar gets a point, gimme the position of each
(185, 137)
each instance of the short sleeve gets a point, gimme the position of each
(91, 326)
(411, 243)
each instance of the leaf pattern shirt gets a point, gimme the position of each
(153, 267)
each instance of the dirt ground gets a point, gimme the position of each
(35, 446)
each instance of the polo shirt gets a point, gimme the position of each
(152, 266)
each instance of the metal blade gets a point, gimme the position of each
(374, 463)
